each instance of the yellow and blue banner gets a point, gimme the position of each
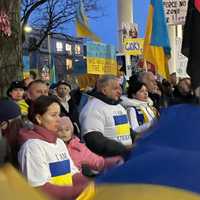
(133, 46)
(82, 27)
(101, 58)
(156, 44)
(164, 163)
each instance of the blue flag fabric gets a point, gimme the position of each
(159, 36)
(164, 164)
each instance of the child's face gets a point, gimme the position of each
(66, 129)
(65, 134)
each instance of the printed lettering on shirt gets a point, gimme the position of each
(123, 138)
(61, 156)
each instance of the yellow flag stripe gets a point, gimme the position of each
(62, 180)
(123, 129)
(142, 192)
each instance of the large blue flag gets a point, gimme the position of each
(164, 164)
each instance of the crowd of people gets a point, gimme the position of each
(60, 138)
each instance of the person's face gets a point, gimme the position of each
(173, 79)
(142, 94)
(65, 134)
(151, 83)
(63, 90)
(51, 118)
(37, 90)
(17, 94)
(185, 86)
(112, 90)
(66, 129)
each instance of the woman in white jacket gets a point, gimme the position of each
(139, 106)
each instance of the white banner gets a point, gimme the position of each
(175, 11)
(181, 60)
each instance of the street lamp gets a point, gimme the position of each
(27, 29)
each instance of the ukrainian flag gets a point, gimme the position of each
(82, 24)
(122, 125)
(156, 44)
(164, 165)
(60, 173)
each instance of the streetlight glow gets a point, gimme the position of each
(27, 29)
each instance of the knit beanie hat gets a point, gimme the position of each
(66, 129)
(8, 110)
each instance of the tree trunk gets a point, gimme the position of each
(10, 46)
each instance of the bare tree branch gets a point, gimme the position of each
(50, 15)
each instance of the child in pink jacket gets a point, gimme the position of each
(79, 152)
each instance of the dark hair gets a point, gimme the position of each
(134, 87)
(40, 106)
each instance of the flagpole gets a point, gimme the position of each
(145, 65)
(172, 38)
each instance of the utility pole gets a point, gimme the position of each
(125, 16)
(125, 20)
(49, 50)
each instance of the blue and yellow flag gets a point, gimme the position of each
(164, 165)
(156, 44)
(82, 28)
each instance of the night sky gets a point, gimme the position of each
(106, 26)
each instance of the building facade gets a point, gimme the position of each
(59, 52)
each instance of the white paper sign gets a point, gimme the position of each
(175, 11)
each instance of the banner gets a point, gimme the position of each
(181, 60)
(175, 11)
(133, 46)
(101, 58)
